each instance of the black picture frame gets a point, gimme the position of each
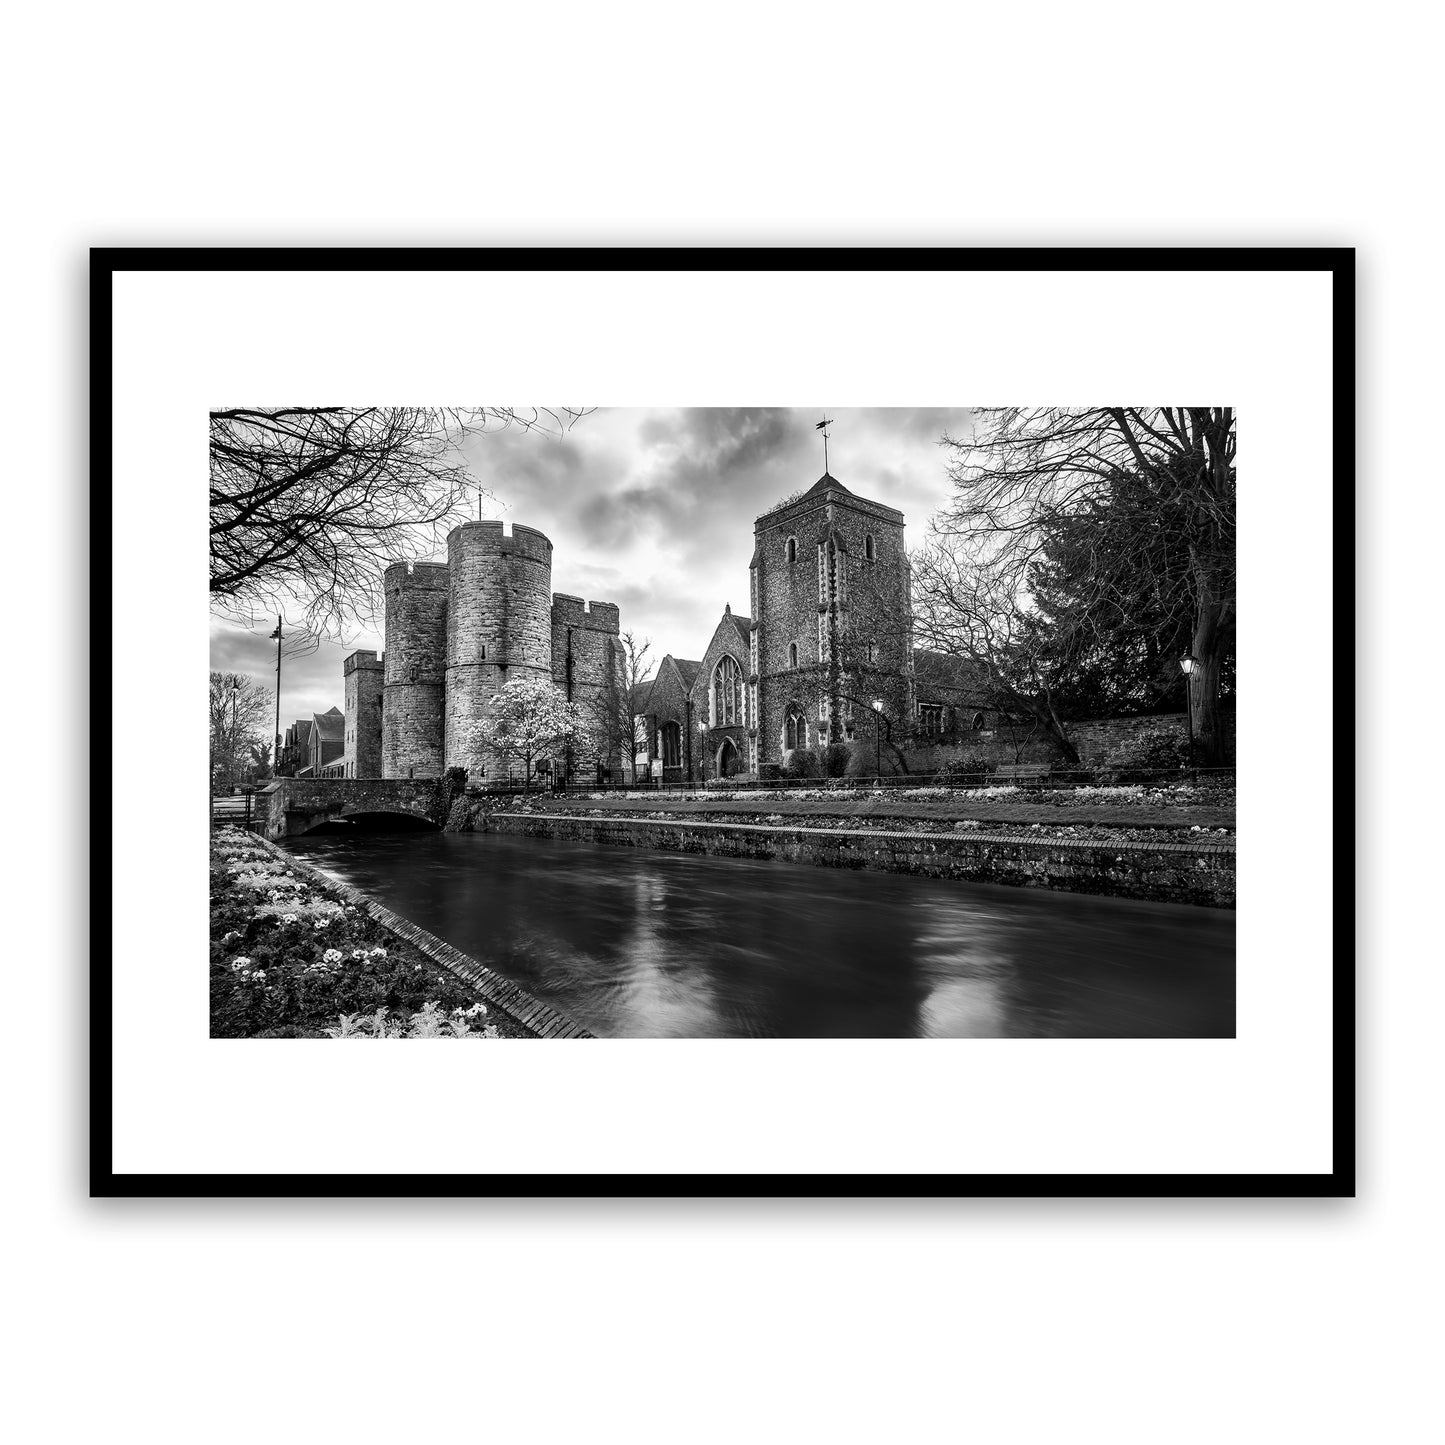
(105, 1182)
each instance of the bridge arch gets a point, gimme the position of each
(295, 806)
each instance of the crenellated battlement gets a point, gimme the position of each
(416, 576)
(569, 611)
(362, 661)
(493, 537)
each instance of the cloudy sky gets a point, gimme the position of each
(653, 509)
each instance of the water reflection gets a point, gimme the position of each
(639, 944)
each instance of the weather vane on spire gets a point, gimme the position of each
(823, 426)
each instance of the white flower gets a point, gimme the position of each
(378, 953)
(260, 973)
(332, 955)
(476, 1008)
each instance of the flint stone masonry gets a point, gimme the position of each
(860, 602)
(1200, 874)
(543, 1020)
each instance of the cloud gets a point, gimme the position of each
(653, 509)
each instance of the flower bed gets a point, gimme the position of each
(290, 959)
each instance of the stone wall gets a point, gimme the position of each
(1200, 874)
(1096, 740)
(499, 626)
(414, 670)
(588, 668)
(365, 677)
(292, 806)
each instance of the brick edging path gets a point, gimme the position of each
(1197, 873)
(543, 1020)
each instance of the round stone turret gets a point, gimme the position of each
(414, 670)
(498, 624)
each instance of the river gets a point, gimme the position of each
(641, 944)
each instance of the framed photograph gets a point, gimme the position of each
(800, 777)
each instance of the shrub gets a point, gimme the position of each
(970, 768)
(833, 760)
(803, 763)
(1151, 750)
(769, 772)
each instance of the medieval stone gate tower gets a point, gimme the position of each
(457, 632)
(499, 621)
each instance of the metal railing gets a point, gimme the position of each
(236, 810)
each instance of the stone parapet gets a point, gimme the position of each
(1199, 874)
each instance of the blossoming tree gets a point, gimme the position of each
(528, 720)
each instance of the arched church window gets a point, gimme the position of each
(792, 550)
(868, 551)
(792, 654)
(795, 728)
(727, 693)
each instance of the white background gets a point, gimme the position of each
(1000, 1321)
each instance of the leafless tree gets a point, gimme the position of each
(614, 707)
(978, 614)
(309, 504)
(1026, 468)
(239, 711)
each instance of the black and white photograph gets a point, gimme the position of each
(722, 722)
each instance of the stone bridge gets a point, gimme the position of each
(291, 806)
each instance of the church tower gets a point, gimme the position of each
(829, 588)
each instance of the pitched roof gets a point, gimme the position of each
(640, 691)
(688, 670)
(826, 483)
(744, 626)
(330, 725)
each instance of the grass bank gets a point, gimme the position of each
(1178, 814)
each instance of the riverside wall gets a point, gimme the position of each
(1199, 874)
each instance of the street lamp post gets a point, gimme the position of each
(877, 737)
(276, 637)
(702, 738)
(235, 700)
(1189, 665)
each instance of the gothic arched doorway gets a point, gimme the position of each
(729, 760)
